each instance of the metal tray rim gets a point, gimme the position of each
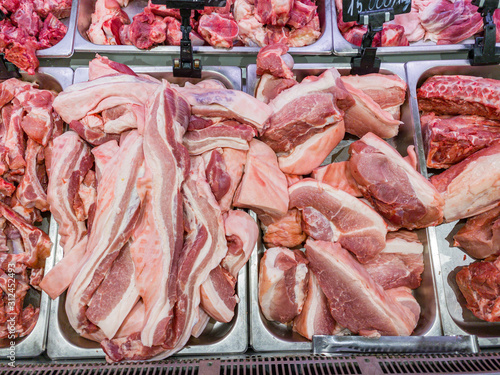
(323, 46)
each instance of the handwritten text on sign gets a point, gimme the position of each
(352, 8)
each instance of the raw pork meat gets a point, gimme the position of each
(145, 31)
(479, 173)
(337, 175)
(333, 215)
(480, 236)
(460, 95)
(396, 190)
(480, 284)
(401, 263)
(392, 35)
(271, 59)
(234, 162)
(263, 187)
(449, 140)
(218, 298)
(356, 301)
(411, 23)
(286, 231)
(106, 21)
(218, 31)
(282, 284)
(275, 12)
(270, 87)
(315, 318)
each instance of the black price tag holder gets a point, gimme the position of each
(7, 69)
(485, 51)
(373, 14)
(186, 65)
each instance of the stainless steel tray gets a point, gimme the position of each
(342, 47)
(64, 343)
(272, 336)
(323, 46)
(34, 344)
(65, 47)
(456, 318)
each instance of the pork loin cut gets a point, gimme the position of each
(470, 187)
(396, 190)
(480, 236)
(282, 284)
(306, 109)
(401, 263)
(356, 301)
(367, 116)
(449, 140)
(315, 318)
(330, 214)
(479, 282)
(310, 154)
(263, 187)
(460, 95)
(337, 175)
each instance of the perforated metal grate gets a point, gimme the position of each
(486, 363)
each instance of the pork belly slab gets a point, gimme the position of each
(330, 214)
(356, 301)
(480, 236)
(460, 95)
(396, 190)
(479, 173)
(282, 284)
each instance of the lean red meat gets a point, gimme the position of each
(396, 190)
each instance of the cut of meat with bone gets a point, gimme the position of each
(286, 231)
(276, 12)
(270, 87)
(393, 186)
(264, 186)
(480, 236)
(356, 301)
(224, 134)
(392, 35)
(367, 116)
(401, 263)
(107, 17)
(310, 154)
(306, 109)
(480, 174)
(337, 175)
(479, 282)
(218, 31)
(71, 161)
(229, 104)
(218, 298)
(14, 137)
(315, 318)
(270, 60)
(282, 284)
(449, 140)
(334, 215)
(302, 13)
(112, 228)
(460, 95)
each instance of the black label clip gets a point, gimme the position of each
(485, 51)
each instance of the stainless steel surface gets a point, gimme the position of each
(394, 344)
(65, 47)
(218, 338)
(323, 46)
(34, 344)
(456, 318)
(272, 336)
(342, 47)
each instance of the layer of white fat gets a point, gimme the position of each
(299, 290)
(212, 143)
(401, 246)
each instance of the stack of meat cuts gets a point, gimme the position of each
(29, 125)
(31, 25)
(439, 21)
(240, 22)
(461, 122)
(354, 276)
(143, 188)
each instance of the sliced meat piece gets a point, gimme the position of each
(14, 139)
(234, 161)
(10, 89)
(282, 284)
(270, 87)
(356, 301)
(263, 186)
(286, 231)
(401, 263)
(480, 236)
(315, 318)
(479, 173)
(218, 31)
(334, 215)
(449, 140)
(217, 176)
(338, 175)
(305, 157)
(460, 95)
(270, 60)
(92, 135)
(393, 186)
(218, 298)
